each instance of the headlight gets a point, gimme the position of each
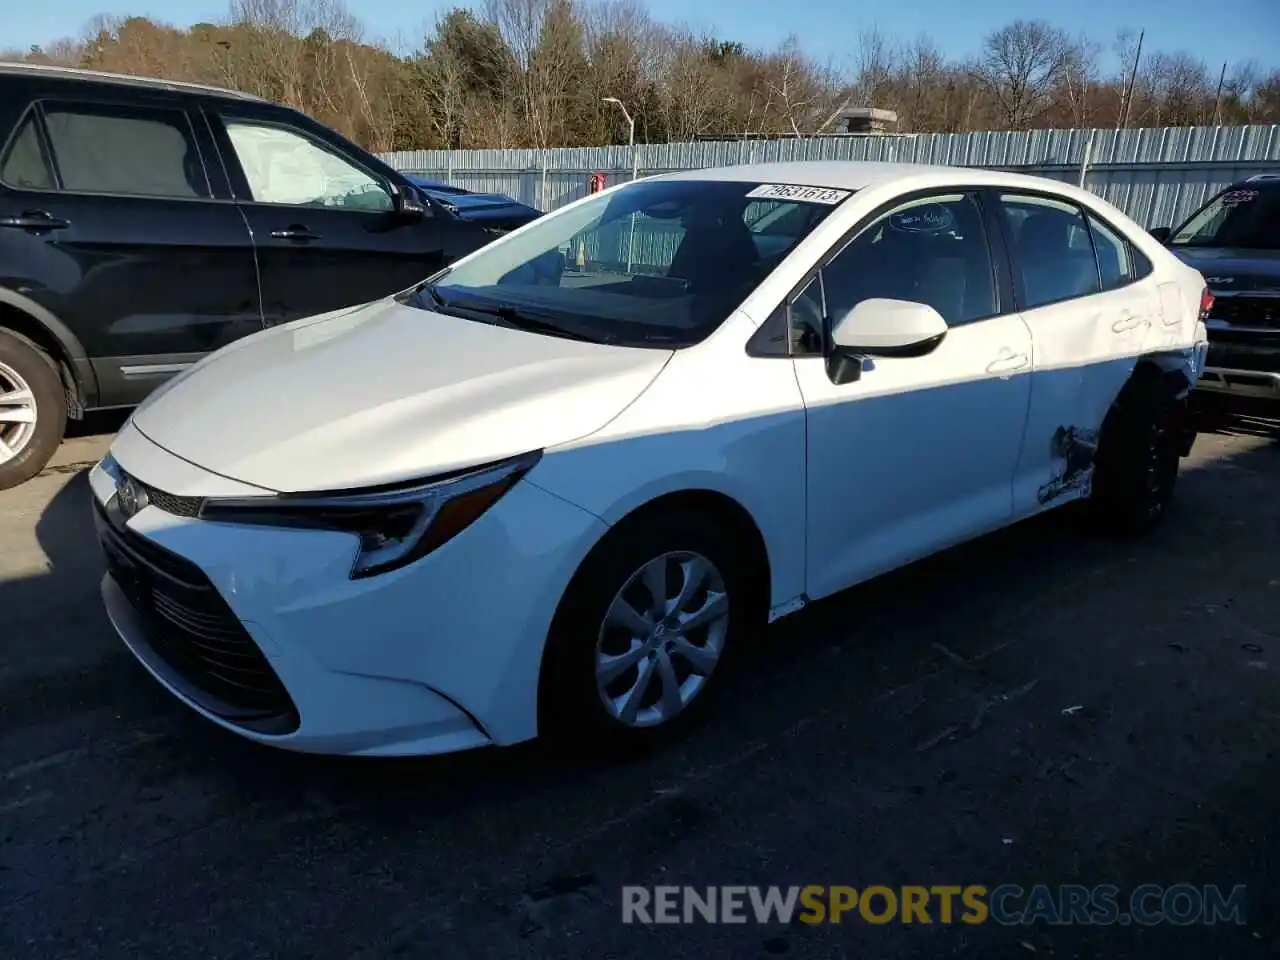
(396, 525)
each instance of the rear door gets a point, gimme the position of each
(323, 217)
(108, 211)
(1082, 293)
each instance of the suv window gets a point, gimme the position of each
(25, 165)
(1052, 248)
(1247, 215)
(134, 151)
(930, 250)
(287, 167)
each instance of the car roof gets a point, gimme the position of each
(53, 72)
(860, 174)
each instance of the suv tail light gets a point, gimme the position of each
(1206, 303)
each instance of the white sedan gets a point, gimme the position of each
(553, 488)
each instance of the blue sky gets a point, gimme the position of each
(1215, 30)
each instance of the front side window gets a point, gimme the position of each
(1246, 216)
(25, 165)
(660, 262)
(930, 250)
(283, 166)
(139, 152)
(1052, 248)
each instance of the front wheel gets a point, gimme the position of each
(643, 635)
(1139, 452)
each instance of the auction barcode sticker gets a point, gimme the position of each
(788, 191)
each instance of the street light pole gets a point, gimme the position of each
(631, 133)
(631, 145)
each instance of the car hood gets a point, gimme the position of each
(1233, 270)
(386, 393)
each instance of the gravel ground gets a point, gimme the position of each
(1038, 707)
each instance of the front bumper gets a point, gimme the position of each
(439, 656)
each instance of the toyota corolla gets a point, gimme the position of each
(552, 488)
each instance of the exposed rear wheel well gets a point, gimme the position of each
(26, 326)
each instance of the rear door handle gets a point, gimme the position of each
(1008, 362)
(1128, 321)
(296, 232)
(34, 220)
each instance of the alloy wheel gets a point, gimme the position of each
(661, 638)
(17, 413)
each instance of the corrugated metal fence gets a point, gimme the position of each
(1157, 176)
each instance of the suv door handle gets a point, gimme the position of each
(34, 220)
(296, 232)
(1008, 362)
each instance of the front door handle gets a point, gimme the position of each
(35, 220)
(296, 232)
(1008, 362)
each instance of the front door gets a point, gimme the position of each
(918, 453)
(324, 226)
(1089, 311)
(109, 214)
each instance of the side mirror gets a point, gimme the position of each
(1161, 234)
(882, 328)
(405, 203)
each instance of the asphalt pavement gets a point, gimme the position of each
(1043, 706)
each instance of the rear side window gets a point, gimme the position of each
(1052, 247)
(142, 152)
(1115, 259)
(25, 164)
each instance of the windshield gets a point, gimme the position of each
(1244, 216)
(656, 263)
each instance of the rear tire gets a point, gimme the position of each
(1139, 452)
(594, 637)
(33, 409)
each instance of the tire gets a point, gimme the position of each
(30, 382)
(572, 695)
(1139, 452)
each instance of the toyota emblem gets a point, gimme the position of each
(132, 496)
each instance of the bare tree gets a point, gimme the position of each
(1019, 66)
(1080, 79)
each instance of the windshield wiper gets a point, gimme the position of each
(523, 320)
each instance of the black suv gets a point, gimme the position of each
(145, 223)
(1234, 241)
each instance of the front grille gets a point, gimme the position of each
(1247, 311)
(174, 504)
(190, 627)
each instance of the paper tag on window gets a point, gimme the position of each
(798, 194)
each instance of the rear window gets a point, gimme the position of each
(140, 152)
(25, 164)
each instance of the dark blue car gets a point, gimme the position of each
(494, 211)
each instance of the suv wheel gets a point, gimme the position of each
(33, 409)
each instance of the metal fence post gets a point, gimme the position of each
(542, 154)
(1084, 162)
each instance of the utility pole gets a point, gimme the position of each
(1217, 99)
(1126, 97)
